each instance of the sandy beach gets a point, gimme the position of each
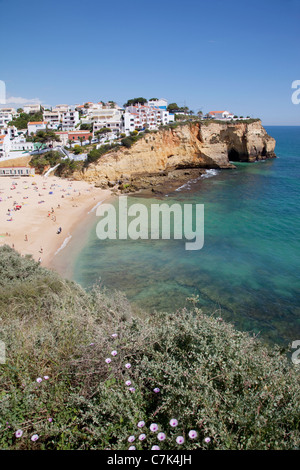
(34, 209)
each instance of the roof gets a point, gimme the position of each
(79, 132)
(37, 122)
(216, 112)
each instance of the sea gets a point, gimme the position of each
(248, 269)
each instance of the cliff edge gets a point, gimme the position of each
(200, 145)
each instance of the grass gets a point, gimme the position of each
(227, 386)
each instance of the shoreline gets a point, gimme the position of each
(32, 209)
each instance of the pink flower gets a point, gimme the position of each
(34, 437)
(128, 382)
(114, 335)
(46, 377)
(50, 420)
(180, 440)
(114, 353)
(155, 448)
(131, 438)
(161, 436)
(141, 424)
(39, 380)
(153, 427)
(173, 423)
(19, 433)
(131, 448)
(132, 389)
(108, 360)
(128, 365)
(193, 434)
(156, 390)
(207, 440)
(142, 437)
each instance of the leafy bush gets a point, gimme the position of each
(95, 154)
(127, 142)
(233, 391)
(39, 162)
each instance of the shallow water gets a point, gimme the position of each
(249, 265)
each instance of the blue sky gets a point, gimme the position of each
(237, 55)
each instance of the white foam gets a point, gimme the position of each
(210, 173)
(95, 207)
(64, 244)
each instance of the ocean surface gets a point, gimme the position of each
(248, 269)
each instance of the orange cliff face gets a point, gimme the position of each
(191, 145)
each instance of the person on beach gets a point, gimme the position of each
(26, 238)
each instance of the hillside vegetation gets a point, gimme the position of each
(57, 391)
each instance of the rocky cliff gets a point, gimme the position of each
(186, 146)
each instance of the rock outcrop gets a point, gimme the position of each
(187, 146)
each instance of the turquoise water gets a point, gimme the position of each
(249, 265)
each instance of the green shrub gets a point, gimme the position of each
(224, 384)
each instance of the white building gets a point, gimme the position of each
(5, 118)
(32, 108)
(161, 103)
(61, 108)
(70, 119)
(5, 144)
(221, 115)
(139, 117)
(19, 144)
(53, 119)
(33, 127)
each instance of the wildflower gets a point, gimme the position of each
(92, 344)
(142, 437)
(131, 448)
(180, 440)
(46, 377)
(193, 434)
(132, 389)
(128, 365)
(207, 440)
(114, 335)
(114, 353)
(153, 427)
(108, 360)
(156, 390)
(50, 420)
(39, 379)
(131, 438)
(173, 423)
(155, 448)
(34, 437)
(141, 424)
(19, 433)
(128, 382)
(161, 436)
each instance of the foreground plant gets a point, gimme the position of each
(173, 381)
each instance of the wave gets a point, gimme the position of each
(64, 244)
(95, 207)
(208, 174)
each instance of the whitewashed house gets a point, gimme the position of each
(220, 115)
(33, 127)
(5, 144)
(32, 108)
(70, 119)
